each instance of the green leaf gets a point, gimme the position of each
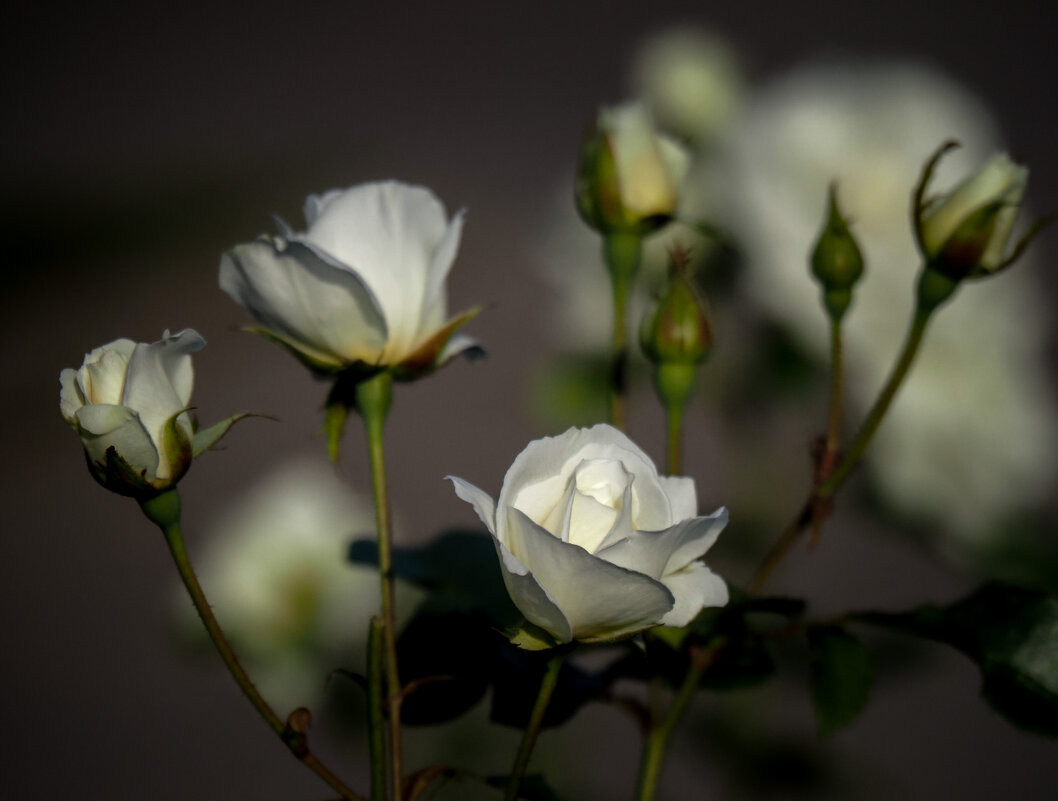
(458, 567)
(842, 675)
(1011, 633)
(516, 678)
(333, 427)
(448, 659)
(206, 438)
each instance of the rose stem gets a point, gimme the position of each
(659, 734)
(536, 719)
(373, 398)
(674, 442)
(376, 729)
(622, 253)
(164, 511)
(827, 487)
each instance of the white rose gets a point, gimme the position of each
(364, 285)
(630, 175)
(133, 398)
(593, 543)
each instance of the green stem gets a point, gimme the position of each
(164, 511)
(622, 253)
(376, 730)
(877, 413)
(837, 380)
(674, 442)
(373, 398)
(657, 739)
(828, 486)
(536, 719)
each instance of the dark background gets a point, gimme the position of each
(139, 142)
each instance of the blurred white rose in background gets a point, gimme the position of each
(971, 437)
(275, 568)
(690, 79)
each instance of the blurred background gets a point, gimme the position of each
(141, 142)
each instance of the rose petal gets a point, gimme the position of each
(102, 376)
(104, 425)
(694, 587)
(479, 499)
(682, 496)
(598, 599)
(530, 597)
(659, 553)
(319, 308)
(158, 386)
(387, 233)
(435, 307)
(71, 398)
(539, 473)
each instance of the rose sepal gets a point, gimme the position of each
(530, 637)
(207, 438)
(116, 474)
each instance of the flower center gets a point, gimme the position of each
(598, 499)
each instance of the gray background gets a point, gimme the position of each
(141, 141)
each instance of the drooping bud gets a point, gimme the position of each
(965, 233)
(836, 260)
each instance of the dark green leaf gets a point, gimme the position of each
(842, 675)
(516, 682)
(459, 568)
(449, 658)
(1011, 633)
(532, 788)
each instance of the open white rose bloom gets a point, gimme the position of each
(133, 398)
(363, 285)
(593, 543)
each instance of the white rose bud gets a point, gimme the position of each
(363, 287)
(128, 403)
(965, 233)
(593, 543)
(629, 175)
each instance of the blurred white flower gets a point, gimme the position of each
(691, 81)
(275, 568)
(971, 437)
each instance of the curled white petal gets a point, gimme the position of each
(695, 587)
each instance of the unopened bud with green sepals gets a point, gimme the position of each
(629, 175)
(676, 335)
(836, 261)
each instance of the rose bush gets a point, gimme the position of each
(128, 403)
(363, 286)
(593, 543)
